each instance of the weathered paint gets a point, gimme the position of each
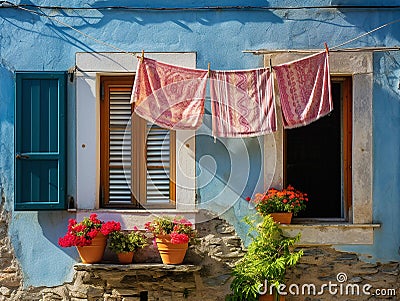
(32, 43)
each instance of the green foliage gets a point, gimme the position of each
(268, 256)
(122, 241)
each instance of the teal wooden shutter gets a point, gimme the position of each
(40, 159)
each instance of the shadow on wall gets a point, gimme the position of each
(54, 225)
(106, 11)
(227, 169)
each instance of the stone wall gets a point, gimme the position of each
(322, 265)
(204, 276)
(10, 276)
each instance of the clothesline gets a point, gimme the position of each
(242, 101)
(334, 48)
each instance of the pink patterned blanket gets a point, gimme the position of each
(304, 90)
(169, 96)
(242, 103)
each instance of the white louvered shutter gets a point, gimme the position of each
(158, 164)
(120, 145)
(136, 156)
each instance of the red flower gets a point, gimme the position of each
(180, 229)
(248, 199)
(82, 233)
(92, 233)
(177, 238)
(284, 200)
(109, 227)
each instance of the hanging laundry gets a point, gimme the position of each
(169, 96)
(242, 103)
(304, 89)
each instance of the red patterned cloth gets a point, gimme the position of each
(242, 103)
(169, 96)
(304, 89)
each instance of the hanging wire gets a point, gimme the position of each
(337, 46)
(9, 4)
(364, 34)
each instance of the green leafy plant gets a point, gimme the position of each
(268, 256)
(275, 200)
(127, 241)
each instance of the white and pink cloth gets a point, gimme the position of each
(169, 96)
(304, 90)
(242, 103)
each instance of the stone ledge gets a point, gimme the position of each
(155, 267)
(332, 234)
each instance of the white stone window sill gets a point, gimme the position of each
(332, 233)
(135, 217)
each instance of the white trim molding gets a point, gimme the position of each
(359, 228)
(90, 66)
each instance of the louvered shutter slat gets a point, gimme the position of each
(158, 164)
(120, 148)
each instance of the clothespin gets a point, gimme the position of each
(142, 58)
(270, 65)
(208, 69)
(326, 48)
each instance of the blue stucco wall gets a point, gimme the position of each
(386, 142)
(29, 42)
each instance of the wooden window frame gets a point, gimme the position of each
(347, 125)
(138, 157)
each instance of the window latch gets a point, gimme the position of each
(21, 156)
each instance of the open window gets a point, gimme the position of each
(318, 158)
(341, 205)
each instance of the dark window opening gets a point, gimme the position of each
(318, 158)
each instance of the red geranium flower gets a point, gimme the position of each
(180, 229)
(285, 200)
(82, 233)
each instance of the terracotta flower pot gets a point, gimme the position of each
(170, 253)
(93, 253)
(282, 217)
(268, 297)
(125, 257)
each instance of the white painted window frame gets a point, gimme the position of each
(90, 67)
(359, 228)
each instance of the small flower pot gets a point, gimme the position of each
(282, 217)
(268, 297)
(170, 253)
(93, 253)
(125, 257)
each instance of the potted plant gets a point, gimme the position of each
(125, 243)
(280, 204)
(172, 236)
(264, 265)
(89, 237)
